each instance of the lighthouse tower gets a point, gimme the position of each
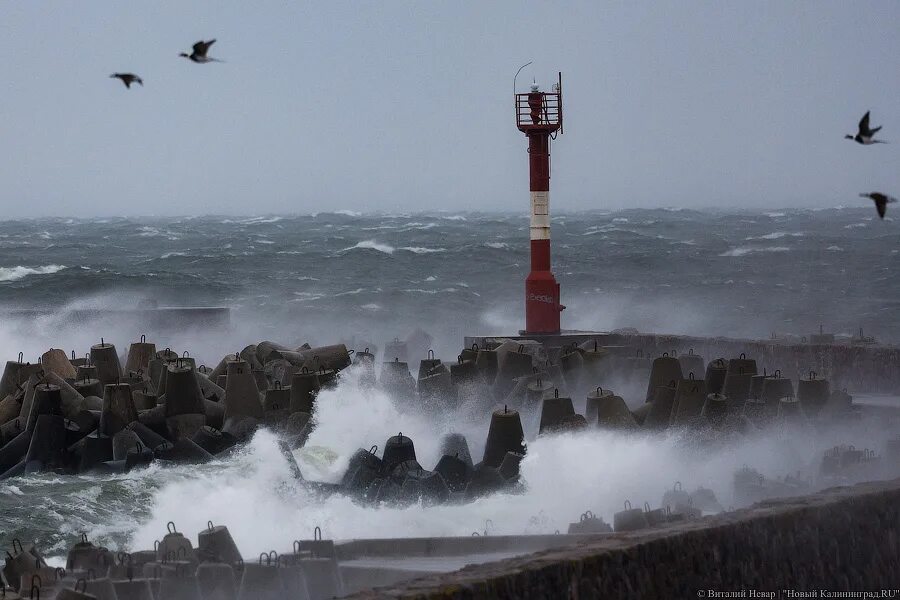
(539, 117)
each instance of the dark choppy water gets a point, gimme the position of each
(335, 274)
(320, 278)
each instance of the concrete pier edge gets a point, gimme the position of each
(843, 538)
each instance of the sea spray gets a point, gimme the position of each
(563, 476)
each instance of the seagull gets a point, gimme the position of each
(199, 53)
(881, 201)
(128, 78)
(865, 135)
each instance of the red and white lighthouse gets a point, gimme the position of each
(539, 117)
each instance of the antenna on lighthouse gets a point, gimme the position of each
(517, 75)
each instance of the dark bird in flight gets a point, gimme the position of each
(865, 135)
(199, 53)
(881, 201)
(128, 79)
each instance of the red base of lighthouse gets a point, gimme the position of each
(542, 305)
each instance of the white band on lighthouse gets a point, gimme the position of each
(540, 215)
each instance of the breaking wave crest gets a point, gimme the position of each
(20, 272)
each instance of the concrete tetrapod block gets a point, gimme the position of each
(118, 409)
(185, 405)
(505, 435)
(241, 394)
(56, 361)
(106, 359)
(139, 355)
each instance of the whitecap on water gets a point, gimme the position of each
(745, 250)
(20, 272)
(777, 235)
(421, 250)
(350, 292)
(432, 292)
(371, 245)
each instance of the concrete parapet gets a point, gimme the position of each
(845, 538)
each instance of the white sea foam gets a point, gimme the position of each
(777, 235)
(497, 245)
(371, 245)
(252, 220)
(421, 250)
(350, 292)
(301, 296)
(20, 272)
(745, 250)
(261, 220)
(448, 290)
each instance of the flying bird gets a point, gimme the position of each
(865, 135)
(128, 79)
(199, 53)
(881, 201)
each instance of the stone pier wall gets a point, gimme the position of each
(839, 539)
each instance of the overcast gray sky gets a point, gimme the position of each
(399, 106)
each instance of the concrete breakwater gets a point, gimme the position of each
(110, 414)
(92, 414)
(840, 539)
(860, 368)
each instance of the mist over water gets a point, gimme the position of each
(366, 279)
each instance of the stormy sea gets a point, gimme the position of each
(367, 279)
